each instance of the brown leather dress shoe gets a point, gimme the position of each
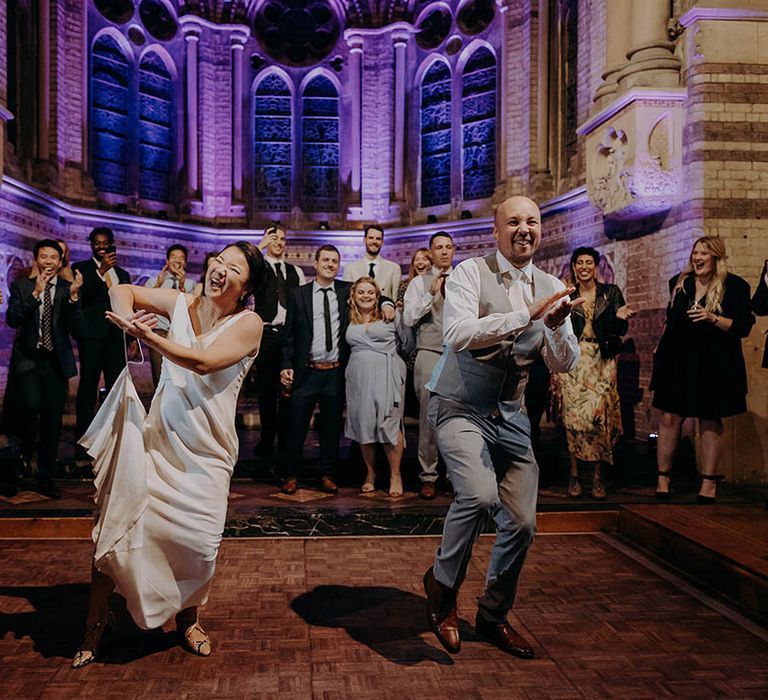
(442, 616)
(290, 485)
(428, 490)
(328, 485)
(504, 637)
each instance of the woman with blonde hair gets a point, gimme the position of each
(375, 381)
(698, 366)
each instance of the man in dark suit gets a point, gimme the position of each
(281, 277)
(100, 345)
(315, 354)
(44, 309)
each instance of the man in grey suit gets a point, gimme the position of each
(500, 314)
(386, 273)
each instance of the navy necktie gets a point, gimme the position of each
(372, 271)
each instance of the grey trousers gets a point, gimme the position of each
(492, 470)
(422, 371)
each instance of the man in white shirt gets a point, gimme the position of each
(172, 276)
(386, 273)
(423, 310)
(501, 312)
(281, 277)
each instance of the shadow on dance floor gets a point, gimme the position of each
(386, 619)
(56, 624)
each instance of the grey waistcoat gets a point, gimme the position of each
(486, 377)
(429, 334)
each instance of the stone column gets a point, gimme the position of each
(618, 36)
(652, 62)
(192, 37)
(542, 117)
(355, 62)
(44, 59)
(401, 43)
(238, 44)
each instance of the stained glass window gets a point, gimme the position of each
(320, 146)
(155, 128)
(272, 145)
(110, 80)
(478, 124)
(436, 135)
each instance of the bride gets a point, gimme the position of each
(162, 478)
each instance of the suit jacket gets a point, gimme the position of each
(760, 306)
(24, 313)
(266, 302)
(299, 327)
(388, 274)
(95, 300)
(607, 328)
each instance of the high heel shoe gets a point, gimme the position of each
(709, 500)
(89, 648)
(663, 495)
(395, 488)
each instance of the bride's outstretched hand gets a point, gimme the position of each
(139, 324)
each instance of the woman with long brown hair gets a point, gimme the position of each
(698, 366)
(375, 381)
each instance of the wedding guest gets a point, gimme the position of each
(698, 366)
(100, 345)
(591, 410)
(162, 478)
(281, 277)
(423, 310)
(386, 273)
(421, 262)
(375, 383)
(45, 309)
(760, 304)
(172, 276)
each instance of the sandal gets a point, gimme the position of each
(367, 487)
(707, 500)
(598, 489)
(662, 495)
(574, 487)
(396, 488)
(196, 641)
(89, 647)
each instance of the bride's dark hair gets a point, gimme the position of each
(257, 270)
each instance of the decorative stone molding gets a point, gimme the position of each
(634, 154)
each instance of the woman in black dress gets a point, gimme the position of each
(698, 366)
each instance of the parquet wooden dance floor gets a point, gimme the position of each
(344, 618)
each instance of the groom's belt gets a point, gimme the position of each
(324, 365)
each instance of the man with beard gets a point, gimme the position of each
(386, 273)
(500, 313)
(100, 345)
(44, 309)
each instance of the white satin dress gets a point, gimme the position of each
(162, 479)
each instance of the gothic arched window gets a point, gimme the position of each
(272, 145)
(110, 81)
(478, 124)
(320, 146)
(155, 128)
(436, 135)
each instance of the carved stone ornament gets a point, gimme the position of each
(634, 148)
